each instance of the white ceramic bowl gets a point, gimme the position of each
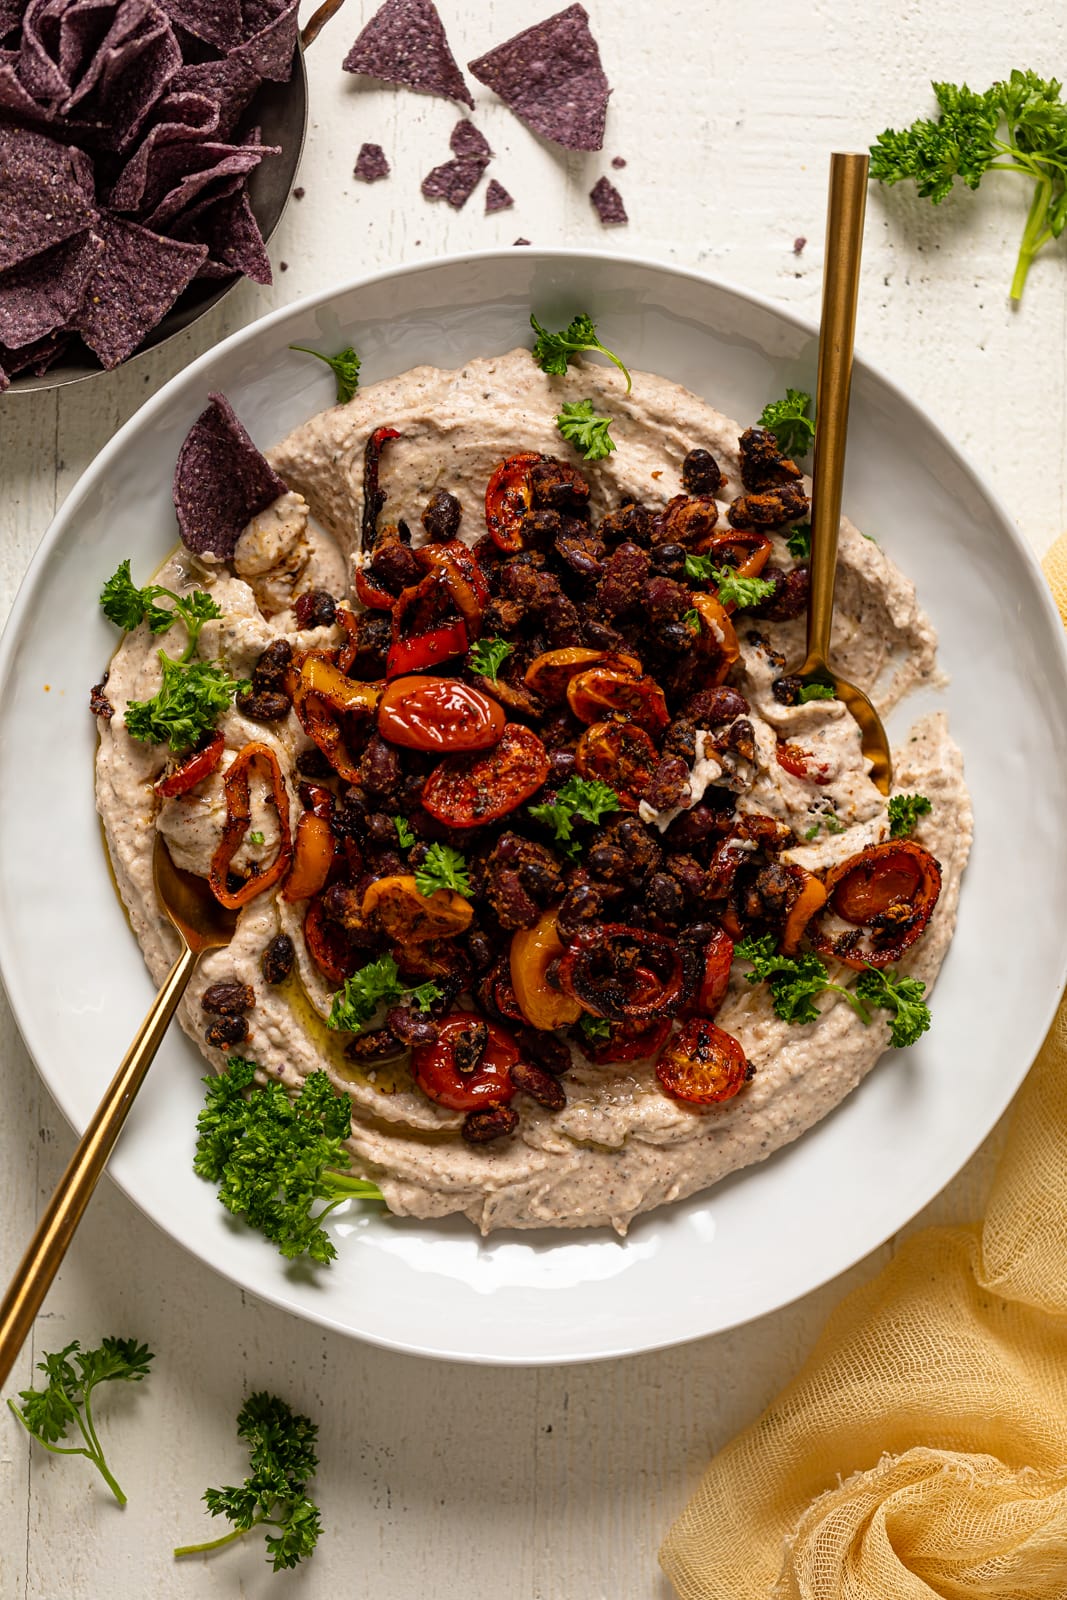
(766, 1235)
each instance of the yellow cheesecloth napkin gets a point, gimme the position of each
(921, 1454)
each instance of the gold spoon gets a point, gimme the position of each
(202, 924)
(840, 291)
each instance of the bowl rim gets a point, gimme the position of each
(36, 570)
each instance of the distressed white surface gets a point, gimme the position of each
(447, 1480)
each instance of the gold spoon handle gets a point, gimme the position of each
(840, 292)
(53, 1233)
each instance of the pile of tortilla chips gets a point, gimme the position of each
(121, 178)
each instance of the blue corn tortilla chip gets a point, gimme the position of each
(137, 278)
(44, 293)
(269, 52)
(225, 223)
(220, 481)
(230, 83)
(161, 180)
(216, 22)
(550, 75)
(115, 83)
(371, 165)
(405, 43)
(454, 181)
(607, 203)
(44, 197)
(467, 140)
(36, 357)
(497, 198)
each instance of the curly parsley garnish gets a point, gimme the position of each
(344, 365)
(405, 834)
(798, 542)
(192, 693)
(273, 1157)
(795, 981)
(487, 656)
(443, 868)
(552, 351)
(581, 799)
(597, 1030)
(731, 586)
(186, 705)
(274, 1495)
(965, 142)
(580, 426)
(902, 996)
(376, 984)
(789, 421)
(48, 1413)
(904, 811)
(815, 691)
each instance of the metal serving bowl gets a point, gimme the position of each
(279, 110)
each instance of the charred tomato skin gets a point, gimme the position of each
(435, 1071)
(703, 1065)
(467, 791)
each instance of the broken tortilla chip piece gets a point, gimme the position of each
(221, 481)
(607, 203)
(371, 165)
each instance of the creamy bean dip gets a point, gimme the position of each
(619, 1144)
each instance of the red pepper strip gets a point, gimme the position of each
(426, 649)
(193, 770)
(312, 858)
(328, 947)
(237, 788)
(508, 497)
(373, 497)
(455, 554)
(346, 656)
(370, 595)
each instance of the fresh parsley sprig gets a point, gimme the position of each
(487, 656)
(581, 799)
(73, 1374)
(185, 707)
(273, 1157)
(904, 811)
(405, 833)
(376, 984)
(442, 868)
(124, 604)
(965, 141)
(597, 1030)
(815, 691)
(580, 426)
(790, 422)
(552, 351)
(732, 587)
(798, 542)
(345, 366)
(903, 997)
(274, 1495)
(795, 982)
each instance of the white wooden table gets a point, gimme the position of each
(449, 1480)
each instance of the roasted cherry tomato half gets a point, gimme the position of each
(507, 500)
(703, 1065)
(626, 1041)
(439, 714)
(328, 947)
(619, 754)
(466, 791)
(715, 977)
(409, 917)
(617, 972)
(600, 690)
(193, 770)
(434, 1068)
(889, 891)
(313, 854)
(802, 764)
(549, 674)
(533, 950)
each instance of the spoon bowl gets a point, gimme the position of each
(190, 904)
